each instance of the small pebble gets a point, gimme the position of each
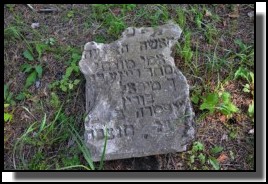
(251, 131)
(224, 137)
(251, 14)
(37, 84)
(35, 25)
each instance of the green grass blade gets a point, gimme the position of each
(82, 147)
(103, 152)
(42, 124)
(20, 140)
(74, 166)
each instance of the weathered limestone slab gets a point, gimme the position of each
(136, 93)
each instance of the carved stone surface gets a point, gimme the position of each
(135, 92)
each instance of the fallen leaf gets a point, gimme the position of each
(224, 23)
(222, 158)
(223, 118)
(24, 116)
(44, 93)
(208, 13)
(234, 15)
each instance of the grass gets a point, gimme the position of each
(215, 53)
(47, 136)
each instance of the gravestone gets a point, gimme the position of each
(136, 97)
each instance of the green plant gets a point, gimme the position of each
(199, 153)
(100, 39)
(197, 146)
(215, 150)
(233, 134)
(248, 87)
(34, 72)
(245, 54)
(214, 162)
(12, 32)
(8, 95)
(161, 14)
(181, 18)
(51, 41)
(71, 161)
(8, 103)
(82, 148)
(28, 55)
(54, 101)
(115, 25)
(10, 7)
(210, 33)
(220, 101)
(85, 151)
(249, 76)
(185, 50)
(66, 83)
(16, 33)
(48, 134)
(198, 15)
(128, 7)
(198, 19)
(196, 95)
(41, 48)
(70, 14)
(99, 9)
(251, 110)
(196, 152)
(8, 116)
(38, 162)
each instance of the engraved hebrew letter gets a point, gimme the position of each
(119, 113)
(156, 86)
(130, 64)
(129, 130)
(119, 131)
(100, 134)
(159, 126)
(153, 43)
(163, 42)
(143, 45)
(90, 134)
(110, 134)
(168, 69)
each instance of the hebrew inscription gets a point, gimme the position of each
(136, 97)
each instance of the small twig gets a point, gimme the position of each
(29, 112)
(30, 7)
(47, 10)
(231, 165)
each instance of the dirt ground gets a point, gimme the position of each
(74, 25)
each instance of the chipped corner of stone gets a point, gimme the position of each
(170, 27)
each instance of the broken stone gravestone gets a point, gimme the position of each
(136, 97)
